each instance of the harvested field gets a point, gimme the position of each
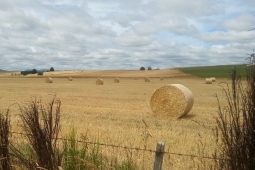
(115, 112)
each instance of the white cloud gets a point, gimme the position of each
(242, 22)
(128, 34)
(231, 36)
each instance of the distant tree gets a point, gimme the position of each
(149, 68)
(23, 73)
(34, 71)
(40, 73)
(51, 69)
(142, 68)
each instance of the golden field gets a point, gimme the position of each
(119, 113)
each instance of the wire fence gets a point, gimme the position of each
(135, 148)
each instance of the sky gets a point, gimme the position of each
(124, 34)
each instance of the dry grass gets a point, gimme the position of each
(102, 73)
(115, 113)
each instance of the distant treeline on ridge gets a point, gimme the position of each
(34, 71)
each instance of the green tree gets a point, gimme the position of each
(40, 73)
(149, 68)
(34, 71)
(142, 68)
(51, 69)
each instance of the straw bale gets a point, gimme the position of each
(208, 81)
(48, 80)
(213, 79)
(70, 79)
(116, 80)
(147, 79)
(161, 78)
(171, 101)
(99, 81)
(136, 78)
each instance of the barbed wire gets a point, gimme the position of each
(133, 148)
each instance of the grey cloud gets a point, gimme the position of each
(184, 8)
(242, 22)
(130, 38)
(124, 19)
(97, 34)
(231, 36)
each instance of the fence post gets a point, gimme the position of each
(159, 156)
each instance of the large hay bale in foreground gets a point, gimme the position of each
(116, 80)
(70, 79)
(147, 79)
(48, 80)
(99, 81)
(208, 81)
(171, 101)
(213, 79)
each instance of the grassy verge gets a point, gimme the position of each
(43, 149)
(214, 71)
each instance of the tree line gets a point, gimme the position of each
(149, 68)
(34, 71)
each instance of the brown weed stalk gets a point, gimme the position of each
(5, 159)
(235, 133)
(42, 126)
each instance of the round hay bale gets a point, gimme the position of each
(171, 101)
(136, 78)
(208, 81)
(48, 80)
(70, 79)
(161, 78)
(100, 81)
(147, 79)
(213, 79)
(116, 80)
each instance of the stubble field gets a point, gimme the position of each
(120, 114)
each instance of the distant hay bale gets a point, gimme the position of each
(116, 80)
(208, 81)
(48, 80)
(147, 79)
(213, 79)
(171, 101)
(136, 78)
(70, 79)
(161, 78)
(99, 81)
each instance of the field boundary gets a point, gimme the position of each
(159, 151)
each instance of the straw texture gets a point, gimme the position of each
(99, 81)
(213, 79)
(116, 80)
(171, 101)
(208, 81)
(147, 79)
(48, 80)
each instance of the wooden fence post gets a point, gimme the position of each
(159, 156)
